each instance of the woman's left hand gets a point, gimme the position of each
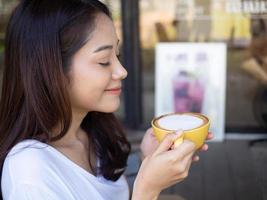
(150, 143)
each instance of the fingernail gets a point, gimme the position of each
(196, 158)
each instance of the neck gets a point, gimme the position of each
(74, 133)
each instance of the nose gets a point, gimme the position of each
(119, 72)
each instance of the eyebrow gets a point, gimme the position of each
(105, 47)
(102, 48)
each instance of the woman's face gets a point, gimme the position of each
(95, 72)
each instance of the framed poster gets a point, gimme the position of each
(191, 77)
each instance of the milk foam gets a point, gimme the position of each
(176, 122)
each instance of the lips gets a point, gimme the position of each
(113, 89)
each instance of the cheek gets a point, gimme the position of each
(88, 87)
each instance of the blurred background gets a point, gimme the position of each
(234, 168)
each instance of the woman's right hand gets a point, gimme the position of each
(165, 167)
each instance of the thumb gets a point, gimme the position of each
(168, 142)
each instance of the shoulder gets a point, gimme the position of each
(27, 151)
(26, 191)
(29, 170)
(26, 160)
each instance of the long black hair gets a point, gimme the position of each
(42, 37)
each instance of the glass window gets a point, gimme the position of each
(239, 24)
(5, 8)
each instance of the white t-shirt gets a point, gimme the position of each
(37, 171)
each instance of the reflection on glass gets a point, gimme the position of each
(241, 24)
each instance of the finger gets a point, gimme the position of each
(210, 136)
(167, 142)
(205, 147)
(187, 163)
(183, 150)
(150, 130)
(188, 159)
(195, 158)
(151, 133)
(179, 140)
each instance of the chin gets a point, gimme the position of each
(111, 107)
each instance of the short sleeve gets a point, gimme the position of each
(27, 191)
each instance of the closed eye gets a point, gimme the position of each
(108, 63)
(105, 64)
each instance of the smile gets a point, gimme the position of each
(113, 91)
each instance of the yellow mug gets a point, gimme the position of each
(197, 134)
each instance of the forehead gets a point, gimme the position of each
(104, 32)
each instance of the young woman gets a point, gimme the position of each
(58, 137)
